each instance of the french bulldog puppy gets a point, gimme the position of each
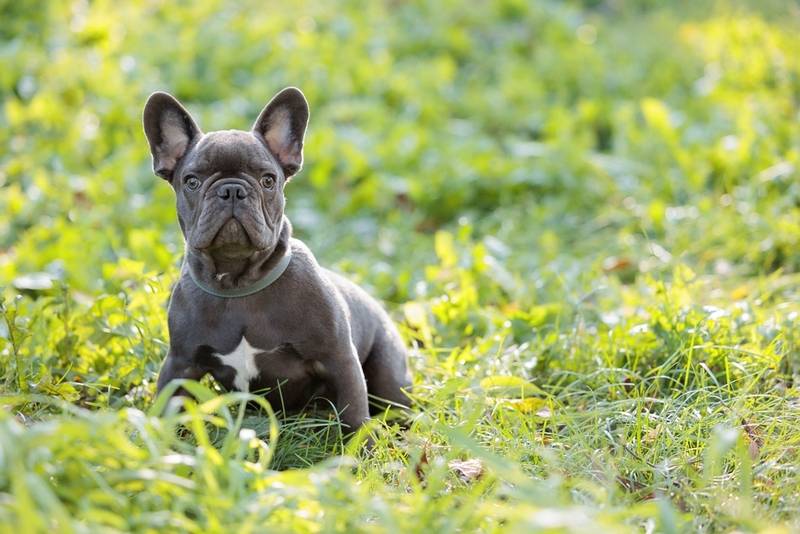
(252, 306)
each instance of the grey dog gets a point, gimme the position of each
(252, 306)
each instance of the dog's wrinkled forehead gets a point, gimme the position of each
(230, 150)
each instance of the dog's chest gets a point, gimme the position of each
(243, 362)
(249, 367)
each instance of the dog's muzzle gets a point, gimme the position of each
(232, 220)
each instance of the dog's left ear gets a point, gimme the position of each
(282, 125)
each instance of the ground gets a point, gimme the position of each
(584, 216)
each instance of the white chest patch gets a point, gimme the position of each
(243, 361)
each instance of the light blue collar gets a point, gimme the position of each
(265, 282)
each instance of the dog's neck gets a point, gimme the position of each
(225, 275)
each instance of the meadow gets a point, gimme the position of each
(584, 216)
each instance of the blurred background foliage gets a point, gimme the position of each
(423, 115)
(598, 196)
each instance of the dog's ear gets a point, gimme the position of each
(170, 130)
(282, 125)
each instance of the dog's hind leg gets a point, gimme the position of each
(386, 371)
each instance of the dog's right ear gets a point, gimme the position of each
(170, 130)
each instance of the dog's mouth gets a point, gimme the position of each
(232, 242)
(230, 231)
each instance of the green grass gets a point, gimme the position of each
(585, 217)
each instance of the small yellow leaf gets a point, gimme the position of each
(444, 245)
(512, 387)
(739, 293)
(535, 405)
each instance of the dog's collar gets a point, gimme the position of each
(237, 292)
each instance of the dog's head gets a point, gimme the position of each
(229, 184)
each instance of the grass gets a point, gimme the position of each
(583, 215)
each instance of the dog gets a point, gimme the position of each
(252, 306)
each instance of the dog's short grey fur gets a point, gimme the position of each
(312, 332)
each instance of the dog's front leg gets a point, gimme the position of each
(176, 367)
(346, 378)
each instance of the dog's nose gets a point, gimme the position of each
(231, 190)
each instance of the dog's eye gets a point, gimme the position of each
(268, 181)
(192, 182)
